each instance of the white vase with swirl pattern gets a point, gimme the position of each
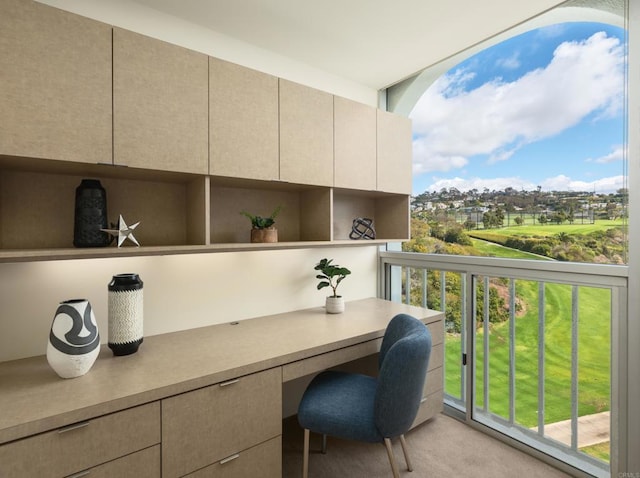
(74, 341)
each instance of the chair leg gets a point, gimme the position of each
(392, 460)
(406, 453)
(324, 444)
(305, 455)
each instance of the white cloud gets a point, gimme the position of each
(565, 183)
(493, 184)
(452, 124)
(510, 63)
(617, 154)
(437, 162)
(557, 183)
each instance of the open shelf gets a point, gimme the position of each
(32, 255)
(390, 213)
(304, 214)
(37, 205)
(179, 213)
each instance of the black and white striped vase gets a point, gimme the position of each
(74, 341)
(125, 314)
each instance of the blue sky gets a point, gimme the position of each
(544, 108)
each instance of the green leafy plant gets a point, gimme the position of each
(331, 275)
(259, 222)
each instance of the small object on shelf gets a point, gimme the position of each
(74, 341)
(90, 216)
(331, 276)
(262, 229)
(362, 228)
(126, 314)
(123, 232)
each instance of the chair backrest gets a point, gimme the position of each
(403, 362)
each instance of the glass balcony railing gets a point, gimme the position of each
(528, 347)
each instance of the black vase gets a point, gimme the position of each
(126, 314)
(90, 215)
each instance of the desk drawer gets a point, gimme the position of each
(331, 359)
(207, 425)
(82, 445)
(141, 464)
(431, 405)
(264, 461)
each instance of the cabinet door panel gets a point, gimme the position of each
(306, 135)
(160, 105)
(142, 464)
(55, 77)
(264, 460)
(355, 145)
(210, 424)
(394, 153)
(80, 446)
(243, 116)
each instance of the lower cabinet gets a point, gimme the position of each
(141, 464)
(263, 460)
(205, 429)
(78, 447)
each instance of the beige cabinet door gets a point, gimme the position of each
(213, 423)
(394, 153)
(160, 105)
(55, 84)
(306, 135)
(355, 145)
(243, 122)
(82, 445)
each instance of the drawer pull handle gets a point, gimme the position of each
(230, 382)
(74, 427)
(424, 399)
(82, 473)
(229, 458)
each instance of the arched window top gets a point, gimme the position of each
(402, 97)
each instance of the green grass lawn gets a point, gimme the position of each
(491, 249)
(593, 352)
(553, 229)
(593, 356)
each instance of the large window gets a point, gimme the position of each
(520, 152)
(522, 144)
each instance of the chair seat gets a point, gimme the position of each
(341, 404)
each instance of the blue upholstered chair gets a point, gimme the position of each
(363, 408)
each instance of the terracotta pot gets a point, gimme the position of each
(264, 235)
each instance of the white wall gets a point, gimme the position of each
(182, 291)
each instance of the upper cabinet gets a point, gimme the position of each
(160, 105)
(243, 115)
(306, 135)
(355, 145)
(394, 153)
(55, 84)
(204, 139)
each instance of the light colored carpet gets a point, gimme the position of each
(440, 448)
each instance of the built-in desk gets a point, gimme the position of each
(203, 402)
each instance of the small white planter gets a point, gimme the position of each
(335, 305)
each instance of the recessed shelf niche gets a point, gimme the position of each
(305, 213)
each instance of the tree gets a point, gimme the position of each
(469, 223)
(518, 220)
(542, 219)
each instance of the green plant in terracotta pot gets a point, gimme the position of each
(331, 276)
(262, 228)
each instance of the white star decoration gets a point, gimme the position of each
(123, 232)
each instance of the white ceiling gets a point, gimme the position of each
(374, 43)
